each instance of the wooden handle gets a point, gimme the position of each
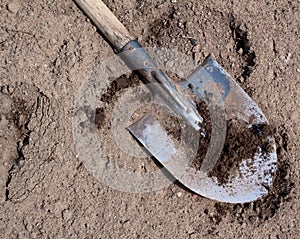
(115, 32)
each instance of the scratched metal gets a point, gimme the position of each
(254, 176)
(137, 59)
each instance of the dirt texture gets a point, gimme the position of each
(241, 143)
(205, 138)
(49, 48)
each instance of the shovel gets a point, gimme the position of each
(248, 177)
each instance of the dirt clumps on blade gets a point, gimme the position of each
(241, 143)
(205, 136)
(167, 120)
(280, 192)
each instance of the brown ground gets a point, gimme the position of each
(48, 48)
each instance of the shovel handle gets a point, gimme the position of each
(115, 32)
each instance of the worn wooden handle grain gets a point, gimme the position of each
(115, 32)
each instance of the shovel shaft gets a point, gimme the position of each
(115, 32)
(137, 59)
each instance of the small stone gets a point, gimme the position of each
(197, 13)
(190, 230)
(13, 7)
(289, 56)
(180, 74)
(170, 64)
(241, 51)
(28, 227)
(281, 58)
(241, 79)
(195, 197)
(67, 215)
(10, 89)
(252, 219)
(239, 209)
(176, 14)
(173, 1)
(193, 41)
(179, 194)
(298, 70)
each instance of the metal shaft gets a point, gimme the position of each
(137, 59)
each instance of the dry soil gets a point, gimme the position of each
(49, 48)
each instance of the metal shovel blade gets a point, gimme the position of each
(252, 177)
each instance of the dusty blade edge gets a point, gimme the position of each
(238, 191)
